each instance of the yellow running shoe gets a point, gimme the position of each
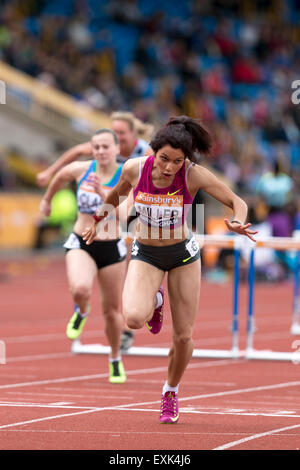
(76, 324)
(116, 372)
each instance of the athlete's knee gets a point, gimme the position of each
(110, 313)
(183, 339)
(133, 318)
(80, 291)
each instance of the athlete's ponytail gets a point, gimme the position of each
(185, 133)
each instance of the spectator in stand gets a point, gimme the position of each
(216, 63)
(275, 188)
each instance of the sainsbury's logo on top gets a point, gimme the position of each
(159, 199)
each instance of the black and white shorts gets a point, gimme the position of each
(168, 257)
(103, 252)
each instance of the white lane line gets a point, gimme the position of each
(110, 433)
(101, 376)
(38, 357)
(244, 390)
(255, 436)
(69, 405)
(132, 372)
(48, 405)
(47, 418)
(210, 412)
(51, 381)
(48, 337)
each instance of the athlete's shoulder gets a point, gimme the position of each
(195, 169)
(133, 164)
(199, 176)
(191, 167)
(78, 168)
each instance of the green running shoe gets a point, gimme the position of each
(76, 324)
(116, 372)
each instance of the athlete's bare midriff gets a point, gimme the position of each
(156, 236)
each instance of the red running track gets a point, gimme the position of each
(52, 399)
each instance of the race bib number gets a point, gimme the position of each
(192, 247)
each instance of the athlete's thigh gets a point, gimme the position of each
(81, 268)
(111, 282)
(184, 294)
(141, 285)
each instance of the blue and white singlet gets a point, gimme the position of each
(88, 200)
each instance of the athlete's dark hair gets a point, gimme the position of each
(185, 133)
(105, 130)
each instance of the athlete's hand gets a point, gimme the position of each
(97, 186)
(242, 229)
(43, 178)
(45, 207)
(89, 234)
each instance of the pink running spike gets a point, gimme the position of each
(169, 408)
(155, 324)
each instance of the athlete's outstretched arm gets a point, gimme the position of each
(69, 156)
(203, 179)
(65, 175)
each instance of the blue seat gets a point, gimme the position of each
(59, 8)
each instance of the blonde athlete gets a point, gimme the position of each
(131, 145)
(164, 185)
(104, 258)
(133, 135)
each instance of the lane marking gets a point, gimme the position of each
(39, 357)
(131, 405)
(69, 405)
(47, 418)
(101, 376)
(255, 436)
(48, 337)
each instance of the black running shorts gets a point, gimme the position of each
(103, 252)
(168, 257)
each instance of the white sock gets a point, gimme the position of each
(84, 314)
(167, 388)
(113, 359)
(159, 300)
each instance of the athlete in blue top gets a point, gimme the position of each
(105, 257)
(129, 130)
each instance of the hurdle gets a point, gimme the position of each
(280, 244)
(295, 328)
(222, 241)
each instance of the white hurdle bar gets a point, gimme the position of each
(225, 241)
(280, 244)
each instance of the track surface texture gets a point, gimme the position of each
(52, 399)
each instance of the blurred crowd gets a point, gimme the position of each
(230, 63)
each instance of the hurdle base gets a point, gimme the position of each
(268, 355)
(79, 348)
